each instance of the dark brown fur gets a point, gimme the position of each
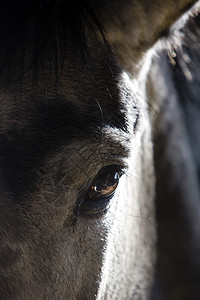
(68, 110)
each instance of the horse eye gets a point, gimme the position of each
(102, 189)
(104, 185)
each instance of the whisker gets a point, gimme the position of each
(53, 185)
(135, 216)
(101, 111)
(130, 174)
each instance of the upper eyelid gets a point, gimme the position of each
(122, 168)
(118, 169)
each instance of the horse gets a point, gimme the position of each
(176, 157)
(77, 184)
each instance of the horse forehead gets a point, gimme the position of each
(80, 100)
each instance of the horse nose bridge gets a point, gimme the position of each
(10, 250)
(9, 255)
(5, 215)
(13, 226)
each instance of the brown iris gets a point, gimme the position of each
(104, 185)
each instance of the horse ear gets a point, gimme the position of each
(133, 26)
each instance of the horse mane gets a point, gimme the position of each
(45, 25)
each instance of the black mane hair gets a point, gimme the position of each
(45, 25)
